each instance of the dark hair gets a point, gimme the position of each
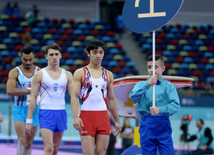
(27, 50)
(202, 122)
(157, 57)
(53, 46)
(94, 44)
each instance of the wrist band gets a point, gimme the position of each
(29, 121)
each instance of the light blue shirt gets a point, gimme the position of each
(166, 97)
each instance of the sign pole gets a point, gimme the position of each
(153, 64)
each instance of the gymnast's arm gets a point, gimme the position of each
(11, 84)
(36, 84)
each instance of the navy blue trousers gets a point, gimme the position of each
(156, 133)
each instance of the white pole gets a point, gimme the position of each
(153, 63)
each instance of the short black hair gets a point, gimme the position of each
(157, 57)
(27, 50)
(52, 46)
(202, 122)
(94, 44)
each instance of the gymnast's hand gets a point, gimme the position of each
(77, 123)
(154, 110)
(117, 128)
(29, 128)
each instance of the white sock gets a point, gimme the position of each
(20, 148)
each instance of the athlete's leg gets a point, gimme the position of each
(87, 143)
(57, 136)
(20, 131)
(29, 141)
(101, 144)
(47, 136)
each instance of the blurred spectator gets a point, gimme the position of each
(26, 38)
(112, 138)
(1, 117)
(127, 134)
(15, 9)
(204, 137)
(120, 25)
(30, 16)
(8, 9)
(36, 11)
(190, 92)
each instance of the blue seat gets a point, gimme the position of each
(130, 64)
(19, 29)
(196, 60)
(188, 60)
(61, 31)
(45, 30)
(209, 67)
(104, 63)
(38, 36)
(190, 42)
(17, 41)
(78, 32)
(42, 42)
(126, 70)
(174, 30)
(149, 40)
(188, 73)
(195, 48)
(69, 62)
(206, 73)
(13, 53)
(208, 54)
(109, 57)
(167, 53)
(175, 53)
(37, 48)
(187, 48)
(50, 25)
(4, 53)
(146, 46)
(114, 51)
(41, 24)
(199, 42)
(171, 59)
(126, 58)
(180, 72)
(112, 63)
(82, 26)
(56, 37)
(50, 42)
(209, 79)
(75, 56)
(62, 61)
(36, 30)
(170, 35)
(42, 61)
(106, 39)
(184, 66)
(80, 49)
(18, 60)
(202, 79)
(201, 66)
(86, 32)
(7, 41)
(71, 49)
